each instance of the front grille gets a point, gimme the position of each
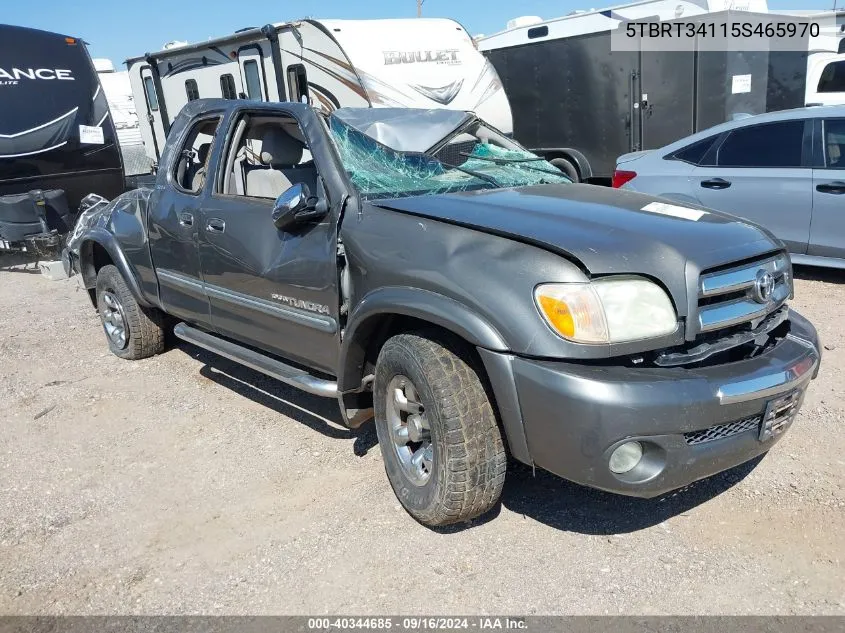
(731, 297)
(721, 431)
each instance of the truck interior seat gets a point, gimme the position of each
(198, 167)
(277, 149)
(280, 155)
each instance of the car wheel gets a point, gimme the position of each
(132, 331)
(566, 166)
(442, 448)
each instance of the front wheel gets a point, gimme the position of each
(132, 331)
(442, 448)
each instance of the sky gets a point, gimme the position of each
(118, 30)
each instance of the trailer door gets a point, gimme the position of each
(153, 110)
(253, 77)
(667, 93)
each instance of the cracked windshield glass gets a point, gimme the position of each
(469, 158)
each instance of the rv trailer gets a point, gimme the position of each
(418, 63)
(57, 139)
(55, 128)
(581, 105)
(118, 91)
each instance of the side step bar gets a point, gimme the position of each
(292, 376)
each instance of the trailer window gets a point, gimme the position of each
(538, 31)
(253, 80)
(150, 90)
(833, 78)
(227, 87)
(768, 145)
(298, 82)
(192, 90)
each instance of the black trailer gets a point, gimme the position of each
(582, 105)
(57, 139)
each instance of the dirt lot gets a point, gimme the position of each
(187, 484)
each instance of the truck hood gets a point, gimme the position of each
(605, 231)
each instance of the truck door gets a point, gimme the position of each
(276, 290)
(175, 216)
(827, 230)
(153, 110)
(253, 77)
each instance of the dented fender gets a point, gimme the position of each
(119, 228)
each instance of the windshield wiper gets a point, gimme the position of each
(500, 159)
(477, 174)
(509, 161)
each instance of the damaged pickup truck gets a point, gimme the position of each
(427, 271)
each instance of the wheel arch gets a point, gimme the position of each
(98, 248)
(378, 314)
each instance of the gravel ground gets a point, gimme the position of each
(187, 484)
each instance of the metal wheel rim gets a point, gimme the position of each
(410, 431)
(114, 321)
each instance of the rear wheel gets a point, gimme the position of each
(442, 448)
(567, 167)
(132, 331)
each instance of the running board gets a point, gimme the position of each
(292, 376)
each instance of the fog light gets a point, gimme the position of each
(626, 457)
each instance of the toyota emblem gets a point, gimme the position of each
(764, 286)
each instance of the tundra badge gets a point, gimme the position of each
(302, 304)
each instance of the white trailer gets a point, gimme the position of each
(422, 63)
(118, 91)
(826, 59)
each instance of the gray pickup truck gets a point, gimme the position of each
(430, 273)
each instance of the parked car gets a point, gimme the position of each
(784, 171)
(424, 269)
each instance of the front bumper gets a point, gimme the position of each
(692, 423)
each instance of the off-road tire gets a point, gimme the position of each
(145, 326)
(567, 167)
(469, 454)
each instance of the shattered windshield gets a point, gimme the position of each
(471, 158)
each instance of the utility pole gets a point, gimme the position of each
(419, 8)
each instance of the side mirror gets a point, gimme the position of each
(297, 206)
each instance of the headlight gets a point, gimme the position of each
(611, 310)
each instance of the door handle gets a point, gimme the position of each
(836, 188)
(716, 183)
(186, 219)
(215, 225)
